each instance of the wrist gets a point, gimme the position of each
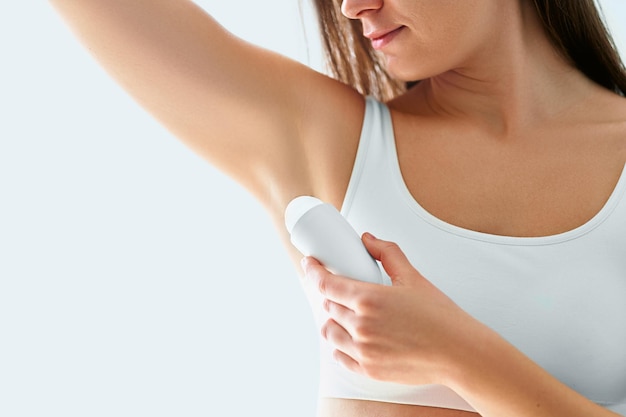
(464, 349)
(497, 379)
(471, 356)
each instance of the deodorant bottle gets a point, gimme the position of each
(317, 229)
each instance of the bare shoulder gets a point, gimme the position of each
(620, 126)
(611, 115)
(620, 106)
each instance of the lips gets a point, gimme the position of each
(380, 38)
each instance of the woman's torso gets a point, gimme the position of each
(566, 171)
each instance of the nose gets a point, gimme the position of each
(353, 9)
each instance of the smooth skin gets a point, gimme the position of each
(521, 142)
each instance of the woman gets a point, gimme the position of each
(499, 176)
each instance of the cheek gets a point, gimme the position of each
(439, 39)
(424, 55)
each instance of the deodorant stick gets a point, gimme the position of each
(317, 229)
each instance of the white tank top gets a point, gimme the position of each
(560, 299)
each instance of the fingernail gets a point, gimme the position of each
(368, 235)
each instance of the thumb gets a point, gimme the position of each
(393, 259)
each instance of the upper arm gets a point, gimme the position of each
(257, 116)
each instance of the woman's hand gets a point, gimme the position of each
(408, 333)
(412, 333)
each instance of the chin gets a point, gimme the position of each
(409, 72)
(406, 79)
(404, 72)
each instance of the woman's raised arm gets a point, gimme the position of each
(259, 117)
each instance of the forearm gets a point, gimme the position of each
(498, 380)
(411, 333)
(239, 106)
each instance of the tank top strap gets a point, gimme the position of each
(374, 144)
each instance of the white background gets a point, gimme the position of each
(135, 280)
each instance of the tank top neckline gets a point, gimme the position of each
(602, 215)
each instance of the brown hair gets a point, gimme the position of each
(575, 27)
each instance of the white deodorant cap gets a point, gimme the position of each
(296, 209)
(319, 230)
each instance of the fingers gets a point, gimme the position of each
(346, 361)
(341, 340)
(338, 337)
(336, 288)
(341, 314)
(391, 256)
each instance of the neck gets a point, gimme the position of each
(514, 83)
